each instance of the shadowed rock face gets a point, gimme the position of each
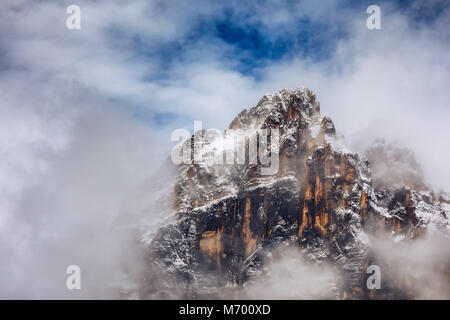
(230, 217)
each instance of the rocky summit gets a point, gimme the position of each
(325, 201)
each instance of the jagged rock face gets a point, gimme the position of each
(407, 204)
(229, 217)
(392, 167)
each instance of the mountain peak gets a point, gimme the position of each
(321, 200)
(276, 106)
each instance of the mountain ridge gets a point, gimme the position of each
(322, 200)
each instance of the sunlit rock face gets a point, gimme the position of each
(321, 200)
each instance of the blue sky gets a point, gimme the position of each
(248, 44)
(243, 38)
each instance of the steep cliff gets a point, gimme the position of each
(321, 200)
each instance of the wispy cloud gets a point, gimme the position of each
(86, 114)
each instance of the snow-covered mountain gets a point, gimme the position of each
(327, 202)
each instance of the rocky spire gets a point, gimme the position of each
(321, 199)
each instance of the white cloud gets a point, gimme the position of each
(73, 154)
(288, 275)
